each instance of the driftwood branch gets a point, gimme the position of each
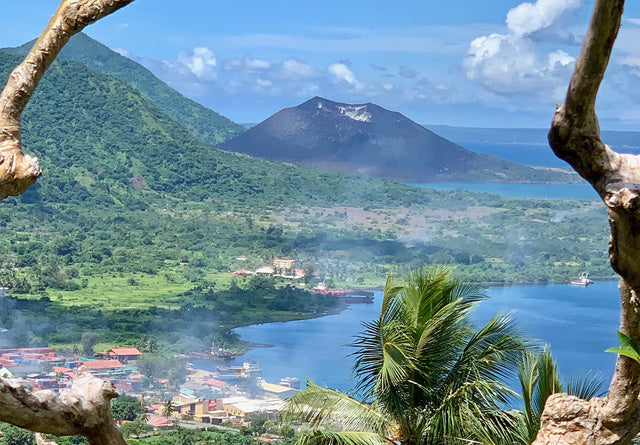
(84, 409)
(18, 170)
(575, 137)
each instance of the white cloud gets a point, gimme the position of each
(512, 62)
(527, 18)
(294, 69)
(201, 62)
(342, 73)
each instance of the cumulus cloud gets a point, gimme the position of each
(201, 62)
(527, 18)
(343, 74)
(512, 63)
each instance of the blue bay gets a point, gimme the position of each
(578, 323)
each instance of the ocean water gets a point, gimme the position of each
(528, 154)
(539, 154)
(582, 191)
(578, 323)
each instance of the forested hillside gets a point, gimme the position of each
(134, 212)
(203, 122)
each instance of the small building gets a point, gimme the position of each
(159, 423)
(103, 367)
(265, 271)
(284, 267)
(214, 383)
(245, 409)
(280, 391)
(124, 354)
(242, 272)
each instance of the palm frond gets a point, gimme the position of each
(383, 356)
(469, 412)
(328, 437)
(587, 387)
(492, 353)
(548, 380)
(324, 407)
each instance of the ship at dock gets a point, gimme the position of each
(583, 280)
(346, 295)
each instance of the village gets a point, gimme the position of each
(229, 395)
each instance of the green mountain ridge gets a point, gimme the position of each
(96, 135)
(206, 124)
(128, 190)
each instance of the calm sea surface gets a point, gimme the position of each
(529, 154)
(579, 324)
(534, 191)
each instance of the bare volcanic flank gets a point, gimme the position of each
(369, 140)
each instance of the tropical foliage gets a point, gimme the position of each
(424, 375)
(539, 379)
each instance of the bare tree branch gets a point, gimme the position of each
(17, 170)
(84, 409)
(575, 137)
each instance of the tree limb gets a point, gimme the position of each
(575, 137)
(17, 170)
(84, 409)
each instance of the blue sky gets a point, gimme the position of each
(498, 63)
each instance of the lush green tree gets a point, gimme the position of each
(12, 435)
(423, 373)
(538, 375)
(126, 407)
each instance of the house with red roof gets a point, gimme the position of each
(241, 272)
(215, 383)
(103, 365)
(124, 354)
(159, 423)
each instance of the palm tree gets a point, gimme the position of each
(539, 379)
(168, 409)
(424, 375)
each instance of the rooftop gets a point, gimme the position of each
(103, 364)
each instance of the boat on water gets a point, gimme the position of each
(582, 281)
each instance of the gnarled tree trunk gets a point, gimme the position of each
(18, 170)
(575, 137)
(84, 409)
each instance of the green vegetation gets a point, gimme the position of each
(137, 223)
(424, 375)
(192, 437)
(202, 122)
(204, 319)
(539, 379)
